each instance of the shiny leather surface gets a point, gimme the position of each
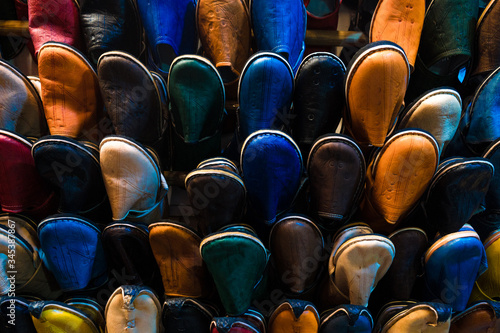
(400, 22)
(185, 314)
(440, 53)
(22, 189)
(374, 94)
(346, 318)
(452, 264)
(132, 97)
(280, 27)
(492, 199)
(272, 77)
(484, 126)
(318, 98)
(416, 317)
(336, 169)
(456, 192)
(54, 21)
(110, 25)
(487, 286)
(22, 319)
(397, 177)
(135, 185)
(52, 316)
(236, 260)
(129, 254)
(294, 316)
(170, 28)
(90, 308)
(479, 317)
(398, 282)
(74, 169)
(438, 112)
(217, 195)
(356, 265)
(182, 269)
(32, 277)
(197, 110)
(487, 39)
(73, 251)
(297, 249)
(271, 166)
(232, 325)
(224, 31)
(133, 309)
(21, 110)
(70, 92)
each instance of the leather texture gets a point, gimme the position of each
(133, 309)
(21, 252)
(452, 264)
(376, 82)
(318, 98)
(399, 281)
(18, 321)
(133, 179)
(22, 189)
(217, 194)
(488, 221)
(400, 22)
(440, 53)
(414, 317)
(110, 26)
(294, 316)
(183, 271)
(397, 177)
(89, 306)
(297, 252)
(232, 325)
(220, 163)
(236, 260)
(358, 261)
(456, 192)
(482, 117)
(196, 109)
(345, 319)
(73, 168)
(492, 199)
(336, 169)
(73, 251)
(486, 40)
(271, 75)
(271, 167)
(186, 314)
(21, 110)
(280, 27)
(170, 28)
(70, 92)
(486, 287)
(132, 98)
(224, 31)
(129, 254)
(54, 316)
(479, 317)
(437, 111)
(54, 21)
